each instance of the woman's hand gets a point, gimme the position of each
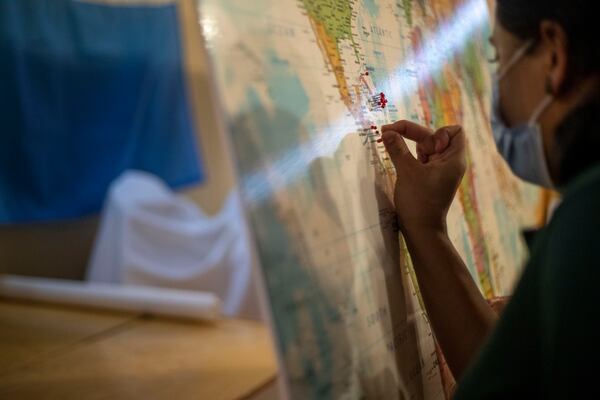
(426, 185)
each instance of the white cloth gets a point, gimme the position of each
(151, 236)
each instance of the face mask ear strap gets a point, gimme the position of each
(546, 101)
(517, 55)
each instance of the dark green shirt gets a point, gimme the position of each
(546, 344)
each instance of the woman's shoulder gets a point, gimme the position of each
(567, 280)
(571, 249)
(580, 207)
(580, 189)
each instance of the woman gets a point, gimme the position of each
(546, 110)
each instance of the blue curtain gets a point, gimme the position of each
(87, 91)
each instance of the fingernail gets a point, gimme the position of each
(453, 129)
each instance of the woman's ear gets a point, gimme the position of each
(553, 41)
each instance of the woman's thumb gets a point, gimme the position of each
(397, 149)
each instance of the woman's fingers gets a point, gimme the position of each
(445, 142)
(397, 149)
(441, 140)
(457, 139)
(409, 130)
(433, 146)
(441, 143)
(417, 133)
(428, 142)
(426, 147)
(455, 153)
(433, 180)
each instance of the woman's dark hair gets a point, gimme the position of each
(578, 136)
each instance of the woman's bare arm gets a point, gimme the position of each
(461, 317)
(425, 186)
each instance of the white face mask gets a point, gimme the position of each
(521, 145)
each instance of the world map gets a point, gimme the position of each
(305, 86)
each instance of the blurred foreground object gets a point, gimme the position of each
(151, 236)
(137, 299)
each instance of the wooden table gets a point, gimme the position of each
(52, 352)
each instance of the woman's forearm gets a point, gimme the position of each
(460, 316)
(425, 187)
